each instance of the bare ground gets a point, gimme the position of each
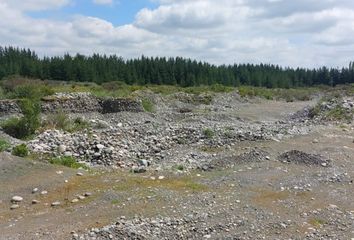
(256, 200)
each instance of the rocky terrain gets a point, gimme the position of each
(208, 166)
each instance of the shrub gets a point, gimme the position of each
(20, 150)
(61, 120)
(208, 133)
(58, 120)
(19, 87)
(4, 145)
(67, 161)
(148, 105)
(25, 126)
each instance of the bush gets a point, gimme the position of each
(20, 87)
(20, 150)
(67, 162)
(4, 145)
(61, 120)
(148, 105)
(27, 125)
(208, 133)
(58, 120)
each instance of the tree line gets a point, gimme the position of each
(161, 70)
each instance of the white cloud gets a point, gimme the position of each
(34, 5)
(103, 2)
(296, 33)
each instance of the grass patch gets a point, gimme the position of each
(20, 150)
(115, 202)
(148, 105)
(26, 126)
(180, 184)
(4, 145)
(208, 133)
(317, 222)
(339, 114)
(179, 167)
(61, 121)
(69, 162)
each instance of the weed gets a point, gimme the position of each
(25, 126)
(115, 202)
(20, 150)
(316, 222)
(208, 133)
(67, 162)
(148, 105)
(4, 145)
(61, 120)
(179, 167)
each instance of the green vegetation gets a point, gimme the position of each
(17, 87)
(67, 162)
(148, 105)
(20, 150)
(316, 222)
(4, 145)
(179, 167)
(208, 133)
(164, 71)
(61, 121)
(25, 126)
(339, 114)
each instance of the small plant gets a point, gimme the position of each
(61, 120)
(20, 150)
(148, 105)
(67, 161)
(208, 133)
(4, 145)
(58, 120)
(339, 113)
(25, 126)
(180, 167)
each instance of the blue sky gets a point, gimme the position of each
(301, 33)
(119, 13)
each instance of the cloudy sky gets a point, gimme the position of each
(305, 33)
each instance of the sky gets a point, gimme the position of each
(295, 33)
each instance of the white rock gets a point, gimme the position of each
(14, 206)
(100, 146)
(54, 204)
(44, 192)
(16, 199)
(34, 190)
(61, 148)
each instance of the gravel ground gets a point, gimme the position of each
(225, 184)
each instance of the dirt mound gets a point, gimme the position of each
(299, 157)
(255, 155)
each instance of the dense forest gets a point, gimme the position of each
(171, 71)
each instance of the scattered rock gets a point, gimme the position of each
(16, 199)
(14, 206)
(55, 204)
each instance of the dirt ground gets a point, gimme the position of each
(255, 200)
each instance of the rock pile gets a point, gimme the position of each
(299, 157)
(254, 156)
(188, 227)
